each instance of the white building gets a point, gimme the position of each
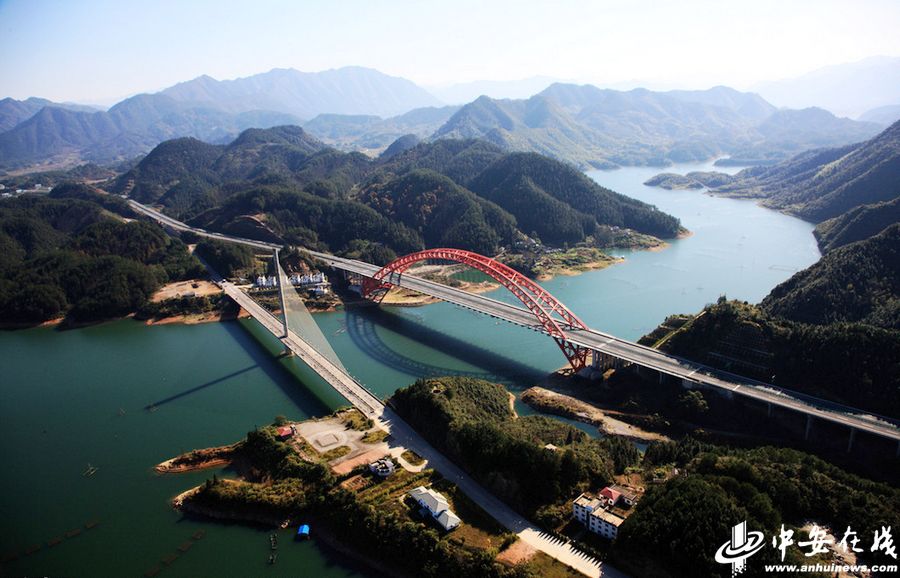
(593, 513)
(383, 467)
(436, 505)
(308, 279)
(263, 281)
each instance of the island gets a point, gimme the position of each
(692, 180)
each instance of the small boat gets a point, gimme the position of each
(272, 557)
(90, 471)
(273, 541)
(302, 532)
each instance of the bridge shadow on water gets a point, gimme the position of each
(362, 323)
(263, 361)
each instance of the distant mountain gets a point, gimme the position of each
(845, 89)
(604, 128)
(746, 104)
(216, 111)
(130, 128)
(857, 224)
(823, 184)
(859, 282)
(13, 112)
(404, 143)
(365, 132)
(885, 115)
(281, 184)
(464, 92)
(350, 90)
(813, 128)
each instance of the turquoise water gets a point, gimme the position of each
(62, 391)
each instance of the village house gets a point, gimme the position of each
(315, 282)
(383, 467)
(598, 513)
(436, 506)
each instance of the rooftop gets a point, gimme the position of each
(608, 516)
(587, 500)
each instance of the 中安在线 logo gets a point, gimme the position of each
(742, 545)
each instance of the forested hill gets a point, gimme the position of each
(281, 184)
(859, 282)
(824, 184)
(857, 224)
(69, 254)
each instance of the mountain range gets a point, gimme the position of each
(349, 90)
(361, 109)
(35, 130)
(281, 184)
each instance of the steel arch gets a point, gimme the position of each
(554, 317)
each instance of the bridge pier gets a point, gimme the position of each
(809, 421)
(769, 409)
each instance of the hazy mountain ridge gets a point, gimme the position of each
(13, 112)
(349, 90)
(367, 132)
(603, 128)
(130, 128)
(361, 109)
(886, 115)
(214, 111)
(845, 89)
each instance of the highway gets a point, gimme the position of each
(689, 371)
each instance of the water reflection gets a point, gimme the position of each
(363, 324)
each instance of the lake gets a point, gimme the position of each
(73, 398)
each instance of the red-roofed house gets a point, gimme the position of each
(285, 432)
(612, 496)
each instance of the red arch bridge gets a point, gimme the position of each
(555, 318)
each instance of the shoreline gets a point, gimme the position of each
(206, 458)
(568, 405)
(582, 268)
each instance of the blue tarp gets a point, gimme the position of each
(303, 530)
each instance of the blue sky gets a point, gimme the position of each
(101, 50)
